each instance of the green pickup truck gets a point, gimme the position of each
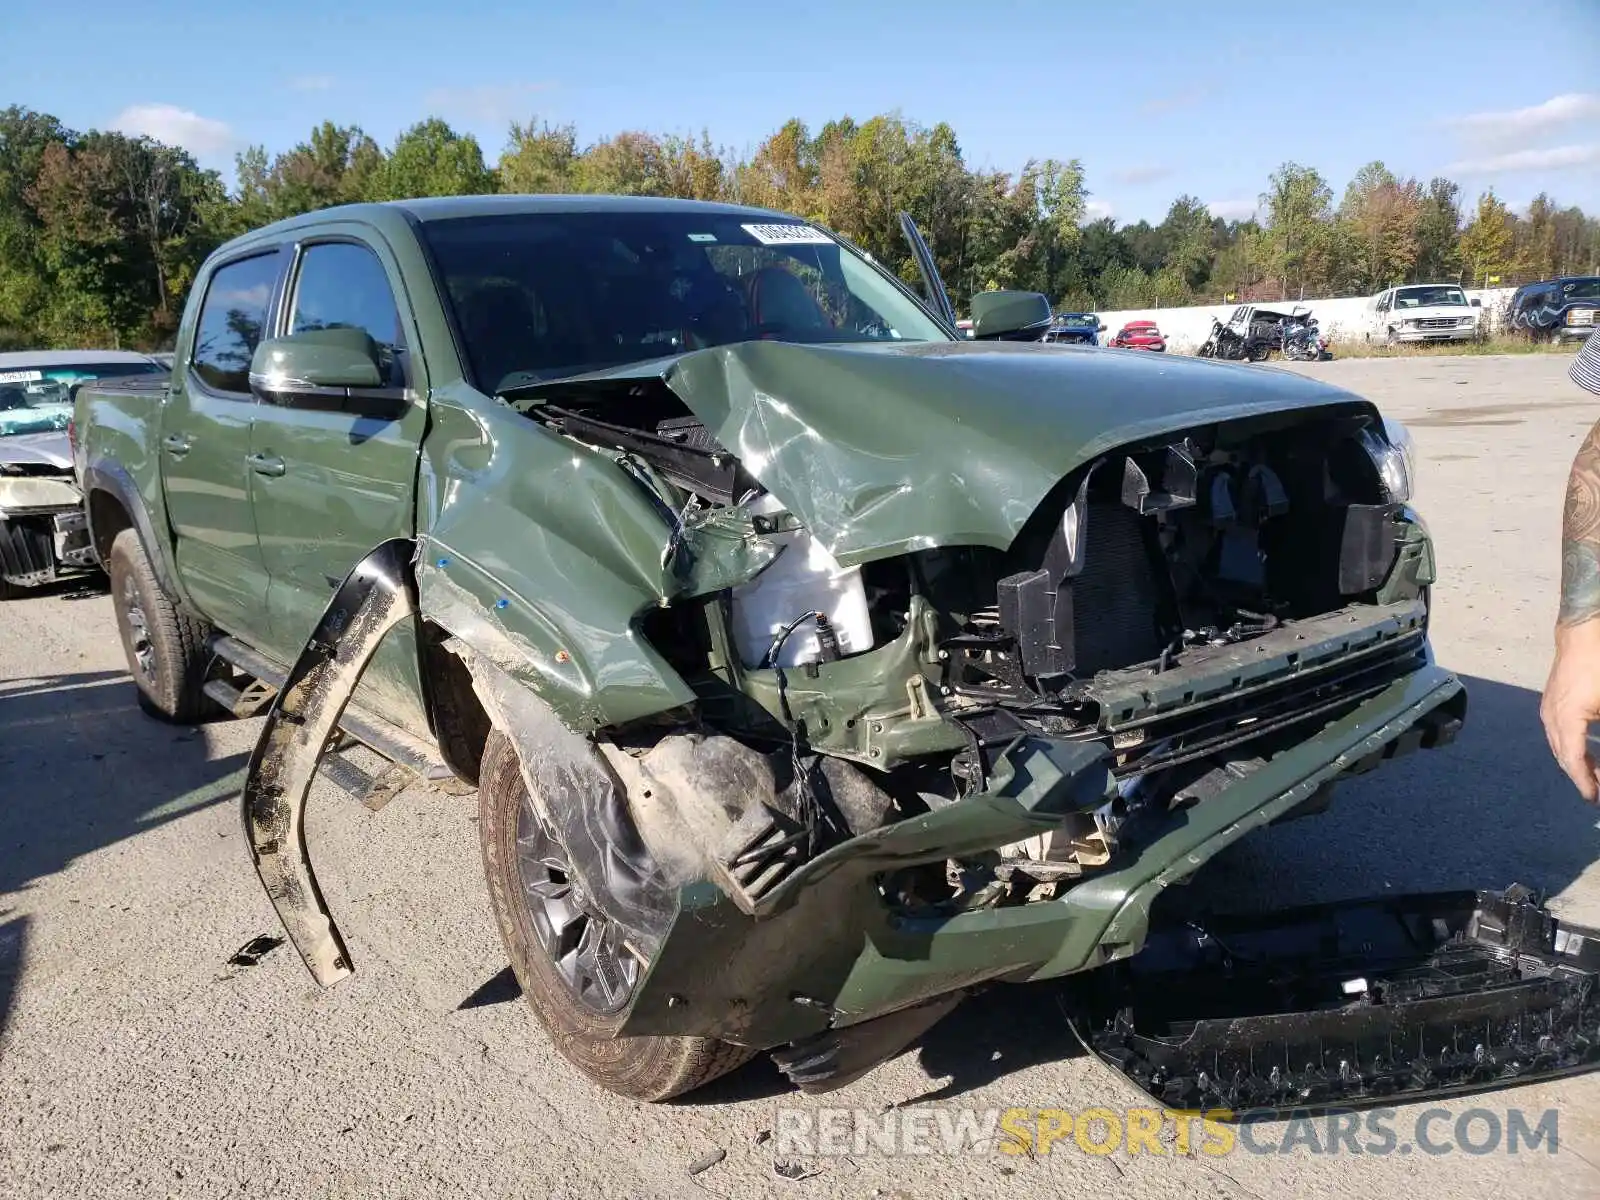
(813, 665)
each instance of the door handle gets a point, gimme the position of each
(266, 464)
(177, 444)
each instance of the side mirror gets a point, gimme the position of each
(1475, 302)
(1102, 328)
(1010, 316)
(317, 363)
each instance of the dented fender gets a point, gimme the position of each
(540, 555)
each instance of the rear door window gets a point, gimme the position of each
(343, 286)
(232, 321)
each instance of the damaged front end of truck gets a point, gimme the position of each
(854, 678)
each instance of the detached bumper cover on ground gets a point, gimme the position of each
(1360, 1003)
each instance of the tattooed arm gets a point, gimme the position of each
(1580, 536)
(1572, 696)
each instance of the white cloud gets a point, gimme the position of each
(1523, 124)
(1135, 176)
(1556, 158)
(489, 103)
(311, 83)
(1094, 210)
(1233, 210)
(1165, 104)
(204, 137)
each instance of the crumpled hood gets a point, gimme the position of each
(49, 449)
(882, 448)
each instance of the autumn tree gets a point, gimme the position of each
(25, 291)
(101, 234)
(1298, 203)
(539, 159)
(1381, 214)
(1438, 232)
(1488, 243)
(121, 223)
(1186, 237)
(1535, 238)
(432, 159)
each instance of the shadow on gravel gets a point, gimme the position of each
(13, 944)
(82, 767)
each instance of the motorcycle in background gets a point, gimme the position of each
(1302, 340)
(1228, 343)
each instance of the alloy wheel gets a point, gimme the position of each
(588, 950)
(144, 654)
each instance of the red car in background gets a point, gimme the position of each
(1139, 335)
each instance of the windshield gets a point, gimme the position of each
(1429, 297)
(1581, 289)
(1078, 320)
(39, 399)
(543, 295)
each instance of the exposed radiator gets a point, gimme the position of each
(1117, 598)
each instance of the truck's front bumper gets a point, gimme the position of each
(833, 954)
(43, 533)
(1354, 1003)
(1465, 333)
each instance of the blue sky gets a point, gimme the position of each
(1155, 99)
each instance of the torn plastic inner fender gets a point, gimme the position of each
(378, 594)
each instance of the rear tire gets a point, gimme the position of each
(165, 646)
(648, 1068)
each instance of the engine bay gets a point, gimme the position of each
(1190, 603)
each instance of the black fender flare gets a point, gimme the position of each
(379, 593)
(109, 476)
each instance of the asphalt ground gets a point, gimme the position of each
(135, 1060)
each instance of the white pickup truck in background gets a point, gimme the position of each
(1423, 312)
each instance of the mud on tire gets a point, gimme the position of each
(645, 1068)
(164, 645)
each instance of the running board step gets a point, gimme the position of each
(374, 791)
(248, 701)
(394, 744)
(1351, 1004)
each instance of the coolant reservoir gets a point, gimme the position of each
(804, 578)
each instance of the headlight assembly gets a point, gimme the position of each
(1394, 456)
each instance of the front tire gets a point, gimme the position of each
(571, 961)
(164, 645)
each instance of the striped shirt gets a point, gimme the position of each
(1586, 367)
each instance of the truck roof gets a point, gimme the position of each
(445, 208)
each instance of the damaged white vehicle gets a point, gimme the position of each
(42, 530)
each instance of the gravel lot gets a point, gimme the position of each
(135, 1061)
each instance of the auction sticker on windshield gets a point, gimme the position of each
(787, 235)
(21, 376)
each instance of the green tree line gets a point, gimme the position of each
(101, 233)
